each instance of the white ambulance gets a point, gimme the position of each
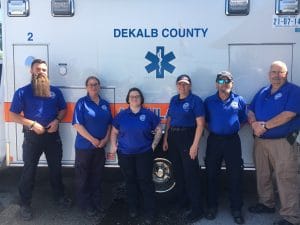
(144, 44)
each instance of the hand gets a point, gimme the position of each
(53, 126)
(95, 142)
(38, 128)
(193, 152)
(258, 128)
(165, 146)
(102, 143)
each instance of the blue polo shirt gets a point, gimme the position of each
(183, 112)
(40, 109)
(266, 106)
(225, 117)
(135, 130)
(95, 118)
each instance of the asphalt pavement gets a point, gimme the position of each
(114, 203)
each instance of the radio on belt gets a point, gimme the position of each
(62, 8)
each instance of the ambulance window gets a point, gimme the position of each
(287, 7)
(62, 7)
(18, 7)
(237, 7)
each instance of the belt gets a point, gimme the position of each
(180, 129)
(223, 136)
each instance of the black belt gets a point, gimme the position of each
(179, 129)
(223, 136)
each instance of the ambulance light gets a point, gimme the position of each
(237, 7)
(18, 8)
(62, 8)
(287, 7)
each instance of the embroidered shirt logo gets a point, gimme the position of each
(186, 106)
(142, 117)
(278, 96)
(234, 105)
(104, 107)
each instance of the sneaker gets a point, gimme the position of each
(194, 216)
(237, 217)
(261, 208)
(282, 222)
(26, 212)
(211, 214)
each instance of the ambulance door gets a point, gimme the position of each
(23, 55)
(250, 64)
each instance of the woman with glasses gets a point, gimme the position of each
(132, 136)
(185, 122)
(225, 113)
(92, 121)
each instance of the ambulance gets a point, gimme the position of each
(144, 44)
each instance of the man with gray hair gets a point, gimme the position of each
(274, 115)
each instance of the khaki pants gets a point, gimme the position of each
(278, 156)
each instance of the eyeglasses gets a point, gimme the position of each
(134, 97)
(223, 81)
(93, 85)
(273, 72)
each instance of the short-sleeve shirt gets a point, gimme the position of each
(225, 117)
(135, 130)
(96, 119)
(266, 106)
(183, 112)
(40, 109)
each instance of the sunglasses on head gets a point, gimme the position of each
(223, 81)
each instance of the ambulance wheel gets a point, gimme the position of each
(163, 176)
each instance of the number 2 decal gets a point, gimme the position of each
(29, 36)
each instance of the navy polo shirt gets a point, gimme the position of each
(135, 130)
(225, 117)
(183, 112)
(266, 106)
(95, 118)
(40, 109)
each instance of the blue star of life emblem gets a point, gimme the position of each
(160, 62)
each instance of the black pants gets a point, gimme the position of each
(229, 149)
(89, 166)
(186, 170)
(33, 147)
(137, 170)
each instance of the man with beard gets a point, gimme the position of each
(274, 117)
(39, 107)
(225, 113)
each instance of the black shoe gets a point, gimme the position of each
(64, 203)
(211, 214)
(237, 217)
(282, 222)
(194, 216)
(91, 212)
(133, 213)
(150, 219)
(261, 208)
(26, 212)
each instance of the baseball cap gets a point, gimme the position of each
(184, 78)
(226, 74)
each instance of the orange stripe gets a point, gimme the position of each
(159, 108)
